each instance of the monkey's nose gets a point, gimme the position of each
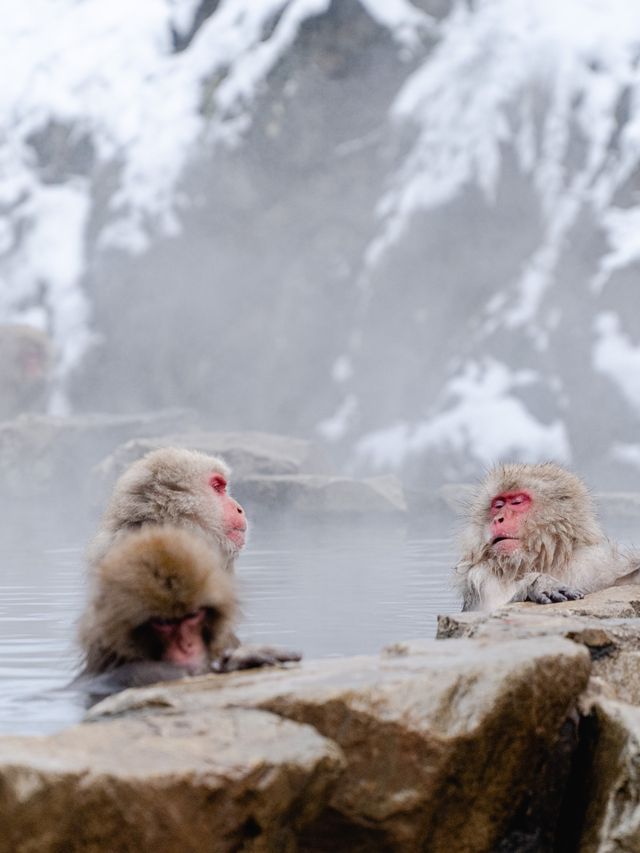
(240, 510)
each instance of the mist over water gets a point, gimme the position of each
(406, 229)
(323, 590)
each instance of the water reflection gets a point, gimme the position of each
(325, 591)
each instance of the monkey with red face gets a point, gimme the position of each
(179, 493)
(179, 487)
(161, 608)
(532, 535)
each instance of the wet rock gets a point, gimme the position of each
(447, 744)
(528, 619)
(606, 622)
(610, 786)
(233, 780)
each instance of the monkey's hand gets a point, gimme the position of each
(544, 589)
(252, 657)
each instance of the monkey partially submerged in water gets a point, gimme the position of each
(532, 535)
(162, 607)
(180, 487)
(162, 603)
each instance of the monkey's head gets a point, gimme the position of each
(159, 594)
(523, 513)
(181, 487)
(26, 348)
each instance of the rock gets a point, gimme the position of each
(452, 745)
(233, 780)
(38, 453)
(610, 784)
(527, 619)
(247, 453)
(272, 474)
(606, 622)
(313, 495)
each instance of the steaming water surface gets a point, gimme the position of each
(324, 591)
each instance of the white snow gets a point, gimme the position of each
(504, 73)
(617, 358)
(337, 426)
(628, 454)
(483, 421)
(497, 63)
(105, 71)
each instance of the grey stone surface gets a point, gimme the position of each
(444, 742)
(612, 784)
(606, 622)
(233, 780)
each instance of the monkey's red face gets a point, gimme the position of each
(507, 514)
(233, 517)
(181, 640)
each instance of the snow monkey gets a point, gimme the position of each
(25, 370)
(160, 595)
(180, 487)
(532, 535)
(178, 497)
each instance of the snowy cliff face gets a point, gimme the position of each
(408, 228)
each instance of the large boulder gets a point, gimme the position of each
(232, 780)
(606, 622)
(609, 786)
(449, 746)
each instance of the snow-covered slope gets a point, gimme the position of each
(408, 227)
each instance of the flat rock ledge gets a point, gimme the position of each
(604, 785)
(516, 731)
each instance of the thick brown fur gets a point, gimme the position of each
(561, 541)
(163, 501)
(167, 486)
(157, 572)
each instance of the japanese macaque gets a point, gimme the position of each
(162, 607)
(179, 487)
(25, 368)
(159, 594)
(532, 535)
(179, 497)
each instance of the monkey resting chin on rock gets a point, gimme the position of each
(532, 535)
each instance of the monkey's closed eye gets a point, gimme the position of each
(161, 623)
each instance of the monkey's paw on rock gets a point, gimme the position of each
(547, 590)
(252, 657)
